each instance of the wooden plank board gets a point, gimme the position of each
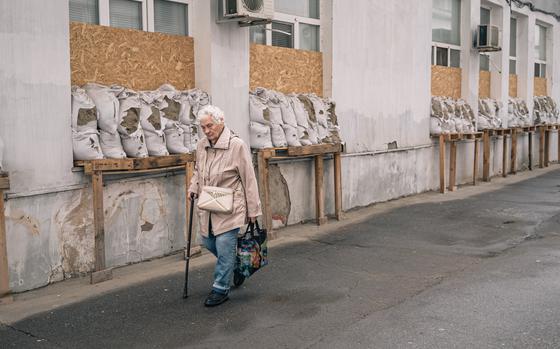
(504, 156)
(475, 165)
(314, 149)
(452, 165)
(4, 182)
(514, 151)
(319, 191)
(189, 172)
(530, 145)
(130, 164)
(442, 164)
(546, 147)
(4, 275)
(262, 168)
(486, 156)
(338, 186)
(98, 220)
(541, 146)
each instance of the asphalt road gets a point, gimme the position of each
(480, 272)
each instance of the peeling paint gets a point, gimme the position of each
(21, 218)
(281, 205)
(147, 226)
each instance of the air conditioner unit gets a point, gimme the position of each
(246, 12)
(488, 38)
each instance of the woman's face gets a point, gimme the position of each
(211, 129)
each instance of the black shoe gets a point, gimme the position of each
(238, 279)
(215, 298)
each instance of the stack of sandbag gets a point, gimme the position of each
(317, 112)
(108, 119)
(85, 138)
(545, 110)
(129, 128)
(172, 104)
(518, 113)
(197, 99)
(302, 121)
(260, 125)
(488, 114)
(332, 121)
(451, 116)
(153, 124)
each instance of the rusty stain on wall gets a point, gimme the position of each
(20, 217)
(136, 59)
(286, 70)
(484, 84)
(446, 81)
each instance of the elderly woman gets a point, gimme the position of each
(223, 160)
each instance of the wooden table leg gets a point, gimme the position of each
(546, 147)
(475, 165)
(337, 187)
(541, 147)
(4, 275)
(442, 164)
(262, 164)
(486, 156)
(452, 165)
(319, 192)
(513, 151)
(99, 274)
(504, 156)
(530, 142)
(558, 151)
(189, 172)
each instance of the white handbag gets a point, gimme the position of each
(215, 199)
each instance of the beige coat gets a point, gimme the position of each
(228, 164)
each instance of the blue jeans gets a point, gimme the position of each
(224, 247)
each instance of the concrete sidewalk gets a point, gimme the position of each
(321, 280)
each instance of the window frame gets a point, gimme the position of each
(514, 58)
(294, 21)
(448, 47)
(148, 15)
(542, 62)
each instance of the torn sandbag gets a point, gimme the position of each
(300, 112)
(303, 136)
(320, 109)
(175, 140)
(153, 124)
(197, 99)
(260, 136)
(132, 134)
(278, 137)
(84, 112)
(258, 110)
(85, 145)
(190, 136)
(291, 134)
(286, 110)
(111, 145)
(107, 105)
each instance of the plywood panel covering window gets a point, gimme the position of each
(513, 85)
(286, 70)
(540, 87)
(484, 84)
(446, 81)
(136, 59)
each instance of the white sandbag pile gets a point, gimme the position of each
(451, 116)
(108, 118)
(488, 114)
(135, 124)
(518, 113)
(278, 120)
(545, 110)
(85, 138)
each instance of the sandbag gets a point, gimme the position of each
(134, 144)
(320, 109)
(258, 110)
(286, 110)
(153, 124)
(107, 105)
(175, 140)
(197, 99)
(155, 143)
(303, 136)
(435, 125)
(132, 134)
(111, 145)
(313, 134)
(291, 134)
(85, 145)
(84, 112)
(302, 119)
(278, 136)
(190, 136)
(260, 136)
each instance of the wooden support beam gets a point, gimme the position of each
(442, 163)
(475, 165)
(558, 146)
(4, 275)
(486, 156)
(262, 166)
(452, 165)
(530, 150)
(504, 155)
(546, 147)
(319, 191)
(541, 146)
(513, 164)
(189, 172)
(99, 273)
(337, 187)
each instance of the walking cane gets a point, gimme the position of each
(188, 257)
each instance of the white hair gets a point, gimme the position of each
(211, 110)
